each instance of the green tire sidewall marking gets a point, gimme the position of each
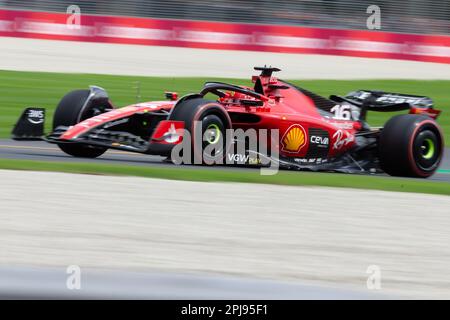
(216, 128)
(431, 149)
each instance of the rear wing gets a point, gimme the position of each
(381, 101)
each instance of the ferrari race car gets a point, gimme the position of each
(292, 126)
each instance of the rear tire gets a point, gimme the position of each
(411, 146)
(70, 112)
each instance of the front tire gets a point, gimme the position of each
(70, 111)
(411, 146)
(210, 148)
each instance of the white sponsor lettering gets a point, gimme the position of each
(292, 42)
(399, 99)
(134, 33)
(319, 140)
(429, 50)
(53, 28)
(342, 138)
(238, 157)
(369, 46)
(213, 37)
(311, 160)
(36, 116)
(342, 125)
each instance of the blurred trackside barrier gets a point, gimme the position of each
(226, 36)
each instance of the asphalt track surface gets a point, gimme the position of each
(317, 236)
(42, 151)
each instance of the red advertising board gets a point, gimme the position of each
(220, 35)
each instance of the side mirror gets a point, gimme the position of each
(172, 96)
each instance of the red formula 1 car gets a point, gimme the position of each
(306, 130)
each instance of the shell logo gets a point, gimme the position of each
(294, 139)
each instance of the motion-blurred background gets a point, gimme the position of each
(137, 50)
(415, 16)
(409, 30)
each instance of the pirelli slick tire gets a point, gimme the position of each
(411, 146)
(70, 111)
(206, 122)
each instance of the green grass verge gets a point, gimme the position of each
(21, 89)
(252, 176)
